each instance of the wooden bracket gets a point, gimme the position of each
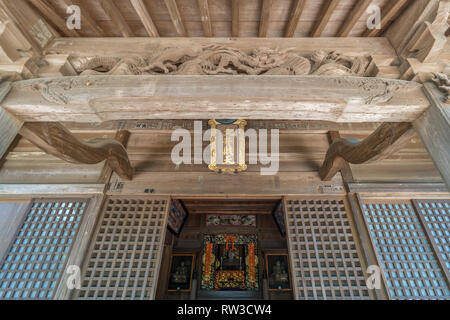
(55, 139)
(386, 140)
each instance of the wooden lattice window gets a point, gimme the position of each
(324, 255)
(435, 215)
(404, 253)
(125, 253)
(34, 264)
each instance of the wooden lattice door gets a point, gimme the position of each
(324, 254)
(125, 254)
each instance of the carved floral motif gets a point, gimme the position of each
(221, 60)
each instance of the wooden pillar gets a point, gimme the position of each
(9, 125)
(434, 128)
(55, 139)
(386, 140)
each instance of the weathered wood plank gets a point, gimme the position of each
(295, 18)
(146, 19)
(434, 130)
(205, 17)
(103, 98)
(50, 189)
(387, 139)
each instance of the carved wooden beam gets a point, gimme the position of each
(119, 97)
(386, 140)
(55, 139)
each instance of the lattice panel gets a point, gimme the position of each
(406, 257)
(125, 253)
(436, 220)
(36, 260)
(324, 257)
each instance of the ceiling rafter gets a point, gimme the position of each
(203, 5)
(356, 13)
(294, 19)
(387, 13)
(146, 19)
(113, 12)
(325, 16)
(54, 18)
(265, 18)
(87, 19)
(235, 16)
(175, 15)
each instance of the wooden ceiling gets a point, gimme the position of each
(247, 206)
(220, 18)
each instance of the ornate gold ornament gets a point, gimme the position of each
(229, 136)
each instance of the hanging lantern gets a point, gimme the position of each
(227, 145)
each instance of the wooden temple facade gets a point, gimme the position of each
(93, 207)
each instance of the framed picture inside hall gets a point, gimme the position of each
(177, 216)
(278, 215)
(277, 270)
(181, 271)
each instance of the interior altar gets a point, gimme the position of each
(230, 262)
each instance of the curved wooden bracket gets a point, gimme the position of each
(386, 140)
(55, 139)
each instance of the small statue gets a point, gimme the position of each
(279, 274)
(181, 274)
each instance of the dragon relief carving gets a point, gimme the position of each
(220, 60)
(442, 81)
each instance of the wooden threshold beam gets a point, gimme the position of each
(294, 19)
(205, 17)
(386, 140)
(50, 189)
(114, 13)
(175, 15)
(391, 9)
(265, 18)
(146, 19)
(235, 17)
(101, 98)
(356, 13)
(327, 11)
(54, 18)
